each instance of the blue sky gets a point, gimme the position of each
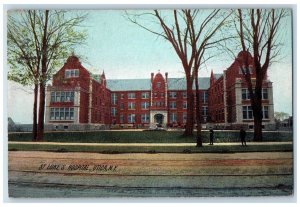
(124, 50)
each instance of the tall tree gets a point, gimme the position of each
(38, 42)
(259, 33)
(204, 39)
(189, 32)
(176, 33)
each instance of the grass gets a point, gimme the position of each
(143, 137)
(151, 149)
(108, 137)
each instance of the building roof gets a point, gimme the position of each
(217, 76)
(145, 84)
(180, 83)
(128, 84)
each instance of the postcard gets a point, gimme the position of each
(150, 103)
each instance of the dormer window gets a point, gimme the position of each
(71, 73)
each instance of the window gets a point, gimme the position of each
(68, 96)
(247, 112)
(61, 113)
(52, 96)
(57, 113)
(113, 111)
(183, 94)
(159, 104)
(173, 117)
(131, 105)
(162, 95)
(145, 95)
(76, 73)
(122, 95)
(57, 99)
(52, 113)
(62, 96)
(264, 93)
(184, 105)
(145, 105)
(71, 97)
(131, 118)
(72, 113)
(131, 95)
(114, 98)
(145, 118)
(71, 73)
(265, 110)
(245, 94)
(158, 85)
(67, 114)
(155, 95)
(172, 94)
(204, 97)
(204, 110)
(121, 118)
(184, 117)
(173, 105)
(67, 73)
(243, 68)
(122, 106)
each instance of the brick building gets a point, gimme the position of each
(79, 100)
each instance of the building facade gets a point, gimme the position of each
(79, 100)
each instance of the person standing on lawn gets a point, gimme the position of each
(243, 136)
(211, 137)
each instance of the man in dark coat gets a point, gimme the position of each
(211, 137)
(243, 136)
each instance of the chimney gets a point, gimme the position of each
(152, 74)
(166, 74)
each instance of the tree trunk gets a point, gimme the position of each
(34, 125)
(198, 113)
(257, 130)
(40, 133)
(190, 109)
(43, 80)
(257, 114)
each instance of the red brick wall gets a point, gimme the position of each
(216, 100)
(233, 73)
(138, 111)
(100, 112)
(158, 88)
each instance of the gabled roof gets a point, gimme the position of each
(145, 84)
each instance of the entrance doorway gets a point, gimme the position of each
(159, 119)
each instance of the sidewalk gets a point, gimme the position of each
(148, 144)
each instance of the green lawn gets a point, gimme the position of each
(151, 149)
(144, 137)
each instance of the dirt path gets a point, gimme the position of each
(47, 174)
